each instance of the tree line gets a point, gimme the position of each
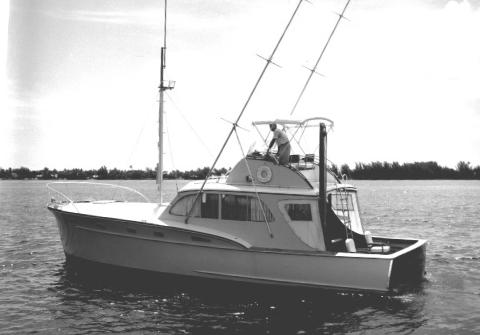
(373, 170)
(104, 173)
(416, 170)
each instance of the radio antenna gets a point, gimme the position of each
(164, 85)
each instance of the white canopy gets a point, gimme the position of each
(285, 122)
(278, 121)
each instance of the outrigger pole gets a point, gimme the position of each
(162, 88)
(314, 69)
(235, 124)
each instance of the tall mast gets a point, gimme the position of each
(164, 85)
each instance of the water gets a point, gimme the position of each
(41, 294)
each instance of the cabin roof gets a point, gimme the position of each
(219, 185)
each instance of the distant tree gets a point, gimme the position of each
(135, 174)
(150, 173)
(464, 170)
(345, 170)
(476, 172)
(102, 173)
(219, 172)
(116, 174)
(23, 173)
(46, 174)
(334, 169)
(76, 174)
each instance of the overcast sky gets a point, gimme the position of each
(79, 81)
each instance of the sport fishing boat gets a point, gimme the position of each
(294, 224)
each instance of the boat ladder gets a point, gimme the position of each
(342, 200)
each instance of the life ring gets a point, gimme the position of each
(264, 174)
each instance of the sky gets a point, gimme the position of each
(78, 80)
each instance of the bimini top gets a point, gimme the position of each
(278, 121)
(297, 123)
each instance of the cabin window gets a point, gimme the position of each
(341, 201)
(183, 206)
(205, 207)
(235, 207)
(299, 212)
(256, 213)
(209, 207)
(244, 208)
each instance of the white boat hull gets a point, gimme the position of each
(161, 249)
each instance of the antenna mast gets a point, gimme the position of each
(164, 85)
(314, 69)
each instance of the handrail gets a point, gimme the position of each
(50, 187)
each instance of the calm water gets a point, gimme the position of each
(40, 294)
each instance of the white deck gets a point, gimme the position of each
(132, 211)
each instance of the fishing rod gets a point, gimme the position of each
(235, 124)
(314, 69)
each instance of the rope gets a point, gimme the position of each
(261, 136)
(199, 138)
(171, 153)
(134, 148)
(296, 141)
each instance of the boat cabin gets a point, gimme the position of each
(272, 206)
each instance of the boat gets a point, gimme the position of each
(290, 225)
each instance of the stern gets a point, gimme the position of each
(408, 269)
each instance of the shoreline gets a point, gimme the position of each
(362, 171)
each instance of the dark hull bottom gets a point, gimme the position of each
(99, 275)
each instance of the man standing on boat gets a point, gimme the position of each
(283, 144)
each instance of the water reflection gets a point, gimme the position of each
(98, 298)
